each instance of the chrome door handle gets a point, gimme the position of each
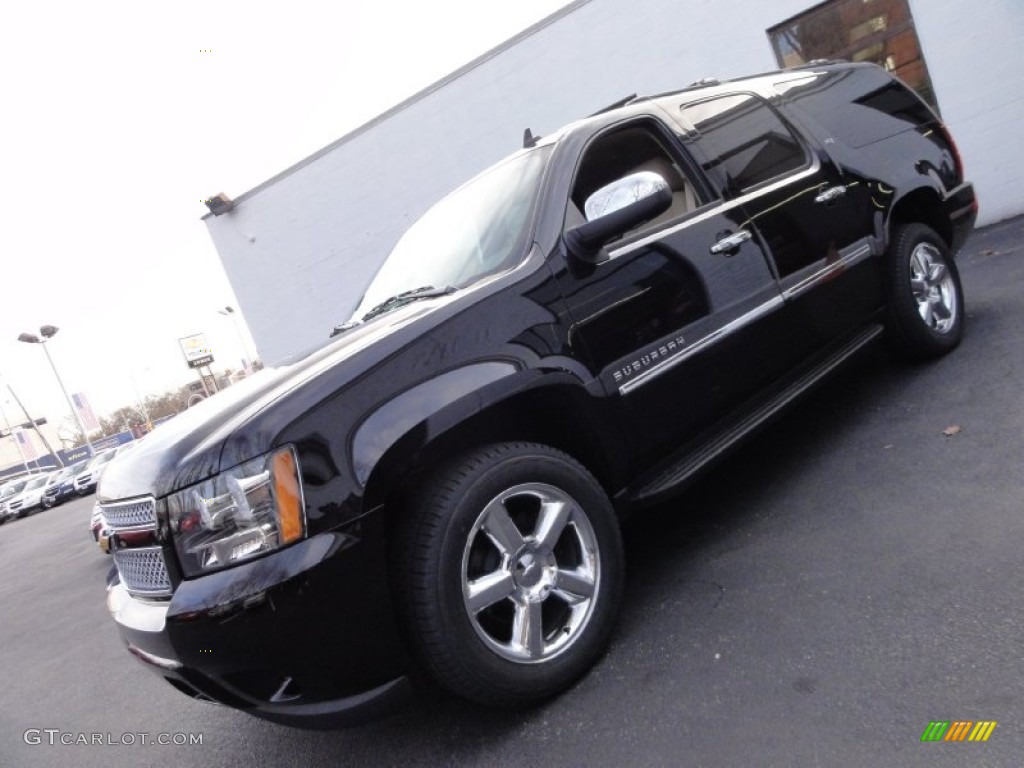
(830, 194)
(731, 242)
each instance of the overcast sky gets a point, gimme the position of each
(120, 117)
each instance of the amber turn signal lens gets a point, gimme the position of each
(289, 498)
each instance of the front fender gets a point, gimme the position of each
(459, 390)
(554, 406)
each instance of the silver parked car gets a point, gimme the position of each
(30, 497)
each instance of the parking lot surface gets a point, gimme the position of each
(848, 577)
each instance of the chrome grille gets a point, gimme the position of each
(129, 514)
(143, 570)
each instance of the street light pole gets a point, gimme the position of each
(11, 433)
(230, 312)
(74, 411)
(35, 426)
(48, 331)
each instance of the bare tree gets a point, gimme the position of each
(154, 408)
(69, 433)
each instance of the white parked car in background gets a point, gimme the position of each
(30, 497)
(8, 491)
(87, 480)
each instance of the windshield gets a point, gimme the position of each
(12, 488)
(480, 229)
(36, 483)
(101, 459)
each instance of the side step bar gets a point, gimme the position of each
(684, 465)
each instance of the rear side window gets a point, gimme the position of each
(859, 105)
(742, 141)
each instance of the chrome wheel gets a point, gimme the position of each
(508, 571)
(933, 288)
(531, 573)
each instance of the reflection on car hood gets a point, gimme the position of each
(224, 430)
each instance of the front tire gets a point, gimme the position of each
(509, 572)
(926, 300)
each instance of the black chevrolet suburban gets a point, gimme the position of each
(574, 334)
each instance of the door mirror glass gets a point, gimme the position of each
(622, 192)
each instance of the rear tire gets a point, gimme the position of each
(925, 297)
(508, 571)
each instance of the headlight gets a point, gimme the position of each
(247, 511)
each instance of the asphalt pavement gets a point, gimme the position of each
(850, 576)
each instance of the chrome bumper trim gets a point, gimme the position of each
(140, 615)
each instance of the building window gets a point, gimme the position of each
(879, 31)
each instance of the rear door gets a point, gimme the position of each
(815, 220)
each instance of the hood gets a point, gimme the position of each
(226, 429)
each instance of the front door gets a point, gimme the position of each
(677, 319)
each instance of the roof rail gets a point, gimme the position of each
(615, 105)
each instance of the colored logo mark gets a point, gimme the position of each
(958, 730)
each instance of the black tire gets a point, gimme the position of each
(447, 541)
(925, 298)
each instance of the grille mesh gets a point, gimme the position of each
(143, 570)
(127, 514)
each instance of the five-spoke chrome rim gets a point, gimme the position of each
(530, 573)
(933, 288)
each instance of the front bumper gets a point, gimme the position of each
(67, 491)
(304, 636)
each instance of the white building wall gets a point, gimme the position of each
(975, 55)
(300, 249)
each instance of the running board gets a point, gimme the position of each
(683, 466)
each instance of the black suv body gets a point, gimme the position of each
(573, 334)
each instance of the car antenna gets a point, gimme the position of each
(529, 140)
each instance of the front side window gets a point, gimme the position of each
(625, 151)
(742, 141)
(480, 229)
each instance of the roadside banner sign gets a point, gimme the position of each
(85, 412)
(25, 446)
(196, 350)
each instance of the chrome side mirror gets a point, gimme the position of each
(622, 192)
(615, 209)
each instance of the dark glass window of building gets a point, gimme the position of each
(879, 31)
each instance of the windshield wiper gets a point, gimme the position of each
(399, 299)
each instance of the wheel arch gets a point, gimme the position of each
(922, 205)
(550, 408)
